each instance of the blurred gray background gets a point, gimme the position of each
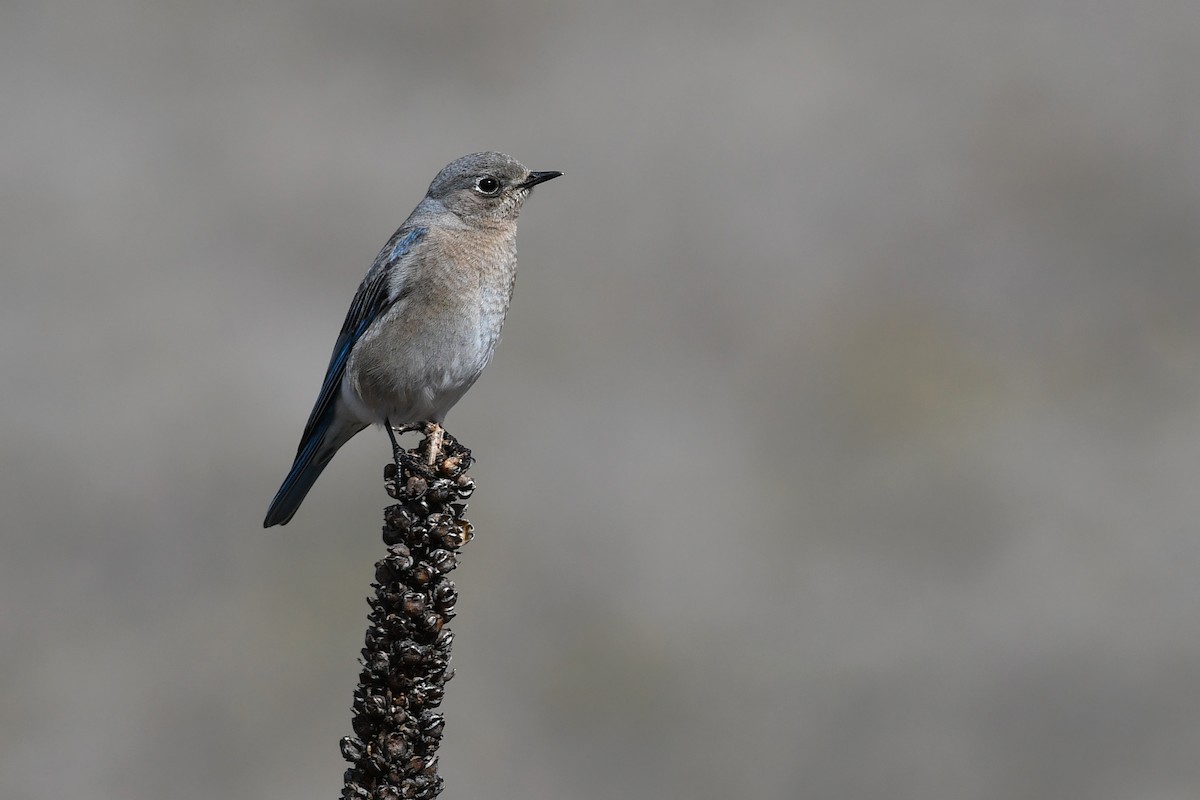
(843, 442)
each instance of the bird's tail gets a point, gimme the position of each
(314, 455)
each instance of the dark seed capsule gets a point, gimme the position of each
(455, 536)
(401, 721)
(389, 601)
(445, 596)
(409, 652)
(416, 486)
(391, 570)
(363, 727)
(352, 748)
(379, 663)
(443, 560)
(423, 573)
(398, 517)
(413, 603)
(395, 746)
(375, 705)
(399, 627)
(400, 556)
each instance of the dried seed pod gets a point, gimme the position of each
(423, 573)
(375, 706)
(409, 652)
(413, 604)
(391, 570)
(455, 536)
(378, 663)
(400, 555)
(445, 596)
(352, 748)
(363, 726)
(415, 486)
(396, 747)
(443, 560)
(400, 518)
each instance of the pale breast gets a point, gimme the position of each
(425, 351)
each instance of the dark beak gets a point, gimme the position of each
(539, 177)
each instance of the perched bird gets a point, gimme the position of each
(426, 317)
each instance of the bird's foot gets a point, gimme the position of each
(403, 459)
(438, 453)
(413, 464)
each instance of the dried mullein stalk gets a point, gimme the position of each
(406, 658)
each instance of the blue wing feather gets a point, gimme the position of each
(370, 301)
(324, 433)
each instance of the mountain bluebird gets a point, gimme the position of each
(426, 318)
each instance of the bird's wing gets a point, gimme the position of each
(375, 294)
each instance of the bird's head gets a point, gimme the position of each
(486, 188)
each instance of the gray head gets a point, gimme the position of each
(485, 187)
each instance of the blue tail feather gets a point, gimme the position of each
(310, 463)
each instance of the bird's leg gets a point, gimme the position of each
(402, 457)
(387, 426)
(434, 432)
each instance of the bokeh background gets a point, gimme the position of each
(843, 441)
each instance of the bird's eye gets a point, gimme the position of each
(487, 185)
